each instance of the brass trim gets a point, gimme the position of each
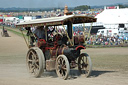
(25, 39)
(67, 35)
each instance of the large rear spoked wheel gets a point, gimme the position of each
(35, 61)
(62, 66)
(85, 64)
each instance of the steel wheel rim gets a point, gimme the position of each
(84, 65)
(33, 62)
(62, 67)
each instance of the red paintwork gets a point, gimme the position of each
(80, 46)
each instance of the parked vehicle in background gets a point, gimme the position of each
(123, 34)
(4, 32)
(108, 32)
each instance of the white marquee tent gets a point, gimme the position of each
(111, 18)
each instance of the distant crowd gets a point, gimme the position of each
(103, 40)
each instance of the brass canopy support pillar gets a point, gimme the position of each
(24, 39)
(67, 35)
(90, 30)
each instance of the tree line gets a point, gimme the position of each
(82, 8)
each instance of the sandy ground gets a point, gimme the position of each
(13, 69)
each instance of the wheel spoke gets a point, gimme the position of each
(37, 65)
(64, 73)
(86, 60)
(37, 61)
(83, 58)
(31, 65)
(33, 58)
(63, 62)
(29, 60)
(81, 67)
(59, 61)
(59, 71)
(32, 69)
(58, 66)
(64, 68)
(35, 71)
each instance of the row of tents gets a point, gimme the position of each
(9, 20)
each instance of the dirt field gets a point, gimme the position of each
(110, 66)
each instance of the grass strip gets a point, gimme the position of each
(13, 30)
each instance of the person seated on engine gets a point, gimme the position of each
(39, 32)
(50, 32)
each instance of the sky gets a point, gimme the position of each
(55, 3)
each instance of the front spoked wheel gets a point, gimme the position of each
(62, 66)
(85, 64)
(35, 61)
